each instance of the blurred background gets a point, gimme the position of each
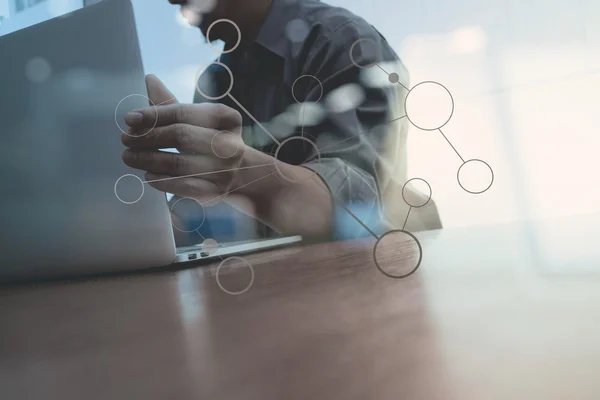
(524, 76)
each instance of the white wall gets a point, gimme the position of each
(4, 8)
(525, 77)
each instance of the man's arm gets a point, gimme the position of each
(342, 177)
(362, 143)
(352, 143)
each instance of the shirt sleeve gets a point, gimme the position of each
(364, 132)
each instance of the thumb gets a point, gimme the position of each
(158, 92)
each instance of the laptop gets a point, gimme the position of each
(66, 206)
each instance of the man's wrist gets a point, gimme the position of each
(279, 192)
(256, 174)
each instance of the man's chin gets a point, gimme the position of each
(195, 18)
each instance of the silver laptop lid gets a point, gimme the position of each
(66, 85)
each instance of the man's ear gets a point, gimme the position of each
(158, 92)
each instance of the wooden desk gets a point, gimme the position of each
(489, 315)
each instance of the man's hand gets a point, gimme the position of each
(214, 161)
(207, 135)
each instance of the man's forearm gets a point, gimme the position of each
(290, 199)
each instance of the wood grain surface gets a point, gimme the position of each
(501, 312)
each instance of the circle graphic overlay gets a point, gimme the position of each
(429, 105)
(305, 174)
(371, 51)
(121, 105)
(235, 263)
(188, 209)
(202, 69)
(475, 176)
(414, 198)
(394, 77)
(126, 189)
(237, 43)
(304, 77)
(210, 246)
(397, 254)
(216, 144)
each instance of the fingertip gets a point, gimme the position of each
(134, 118)
(126, 155)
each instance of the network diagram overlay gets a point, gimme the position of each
(210, 246)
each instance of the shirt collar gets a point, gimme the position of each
(272, 35)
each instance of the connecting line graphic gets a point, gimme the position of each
(237, 188)
(362, 133)
(356, 218)
(302, 120)
(453, 148)
(343, 206)
(388, 74)
(254, 119)
(166, 101)
(206, 173)
(407, 215)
